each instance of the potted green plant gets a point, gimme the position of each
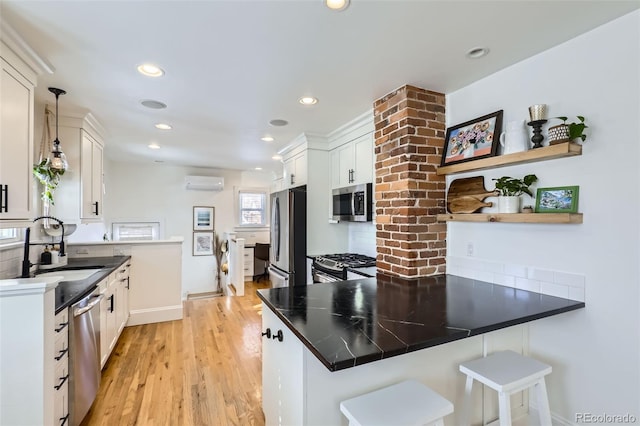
(49, 178)
(567, 132)
(509, 190)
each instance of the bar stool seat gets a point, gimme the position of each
(405, 403)
(507, 372)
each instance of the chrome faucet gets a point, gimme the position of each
(26, 263)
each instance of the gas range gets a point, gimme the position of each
(333, 267)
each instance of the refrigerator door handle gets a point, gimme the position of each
(277, 226)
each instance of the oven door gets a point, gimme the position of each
(322, 277)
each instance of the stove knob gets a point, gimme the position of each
(340, 265)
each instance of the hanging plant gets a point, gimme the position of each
(48, 177)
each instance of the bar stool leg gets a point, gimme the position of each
(543, 403)
(504, 402)
(466, 405)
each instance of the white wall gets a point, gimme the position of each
(594, 352)
(157, 192)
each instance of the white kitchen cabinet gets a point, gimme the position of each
(282, 384)
(248, 265)
(114, 309)
(17, 84)
(79, 197)
(295, 170)
(91, 178)
(352, 163)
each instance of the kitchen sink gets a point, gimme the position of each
(71, 275)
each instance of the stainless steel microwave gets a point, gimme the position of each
(353, 203)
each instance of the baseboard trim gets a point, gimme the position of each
(152, 315)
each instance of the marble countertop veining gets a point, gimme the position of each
(349, 323)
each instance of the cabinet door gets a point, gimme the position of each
(289, 173)
(301, 169)
(16, 139)
(104, 342)
(86, 166)
(282, 374)
(91, 177)
(97, 176)
(363, 161)
(342, 166)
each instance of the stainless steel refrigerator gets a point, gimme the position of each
(288, 251)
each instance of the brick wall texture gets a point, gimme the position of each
(409, 138)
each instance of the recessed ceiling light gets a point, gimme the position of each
(308, 100)
(267, 138)
(477, 52)
(337, 4)
(158, 161)
(163, 126)
(154, 146)
(150, 103)
(278, 122)
(150, 70)
(277, 157)
(258, 168)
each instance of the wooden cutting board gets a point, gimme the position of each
(467, 195)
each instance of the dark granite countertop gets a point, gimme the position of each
(69, 292)
(349, 323)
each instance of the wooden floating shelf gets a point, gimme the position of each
(567, 149)
(512, 217)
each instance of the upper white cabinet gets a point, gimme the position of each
(80, 193)
(295, 169)
(352, 163)
(17, 84)
(91, 177)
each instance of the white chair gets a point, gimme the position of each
(507, 372)
(405, 403)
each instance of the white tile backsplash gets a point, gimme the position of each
(527, 284)
(545, 281)
(552, 289)
(362, 238)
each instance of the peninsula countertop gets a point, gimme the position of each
(349, 323)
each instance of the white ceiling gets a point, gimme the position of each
(231, 66)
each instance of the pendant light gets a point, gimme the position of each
(59, 160)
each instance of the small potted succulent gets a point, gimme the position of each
(509, 190)
(567, 132)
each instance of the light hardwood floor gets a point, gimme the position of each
(203, 370)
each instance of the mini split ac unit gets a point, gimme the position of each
(204, 183)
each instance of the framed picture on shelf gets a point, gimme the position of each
(471, 140)
(203, 243)
(203, 218)
(561, 199)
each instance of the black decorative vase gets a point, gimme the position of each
(537, 137)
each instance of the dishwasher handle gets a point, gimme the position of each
(80, 311)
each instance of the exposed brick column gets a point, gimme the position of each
(409, 133)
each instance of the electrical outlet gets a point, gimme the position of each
(470, 249)
(82, 251)
(118, 251)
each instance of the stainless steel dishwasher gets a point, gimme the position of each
(84, 356)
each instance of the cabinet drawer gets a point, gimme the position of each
(61, 395)
(61, 346)
(61, 322)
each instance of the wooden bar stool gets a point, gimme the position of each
(507, 372)
(405, 403)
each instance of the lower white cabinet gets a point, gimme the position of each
(61, 374)
(282, 367)
(114, 309)
(248, 265)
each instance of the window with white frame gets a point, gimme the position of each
(252, 208)
(8, 235)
